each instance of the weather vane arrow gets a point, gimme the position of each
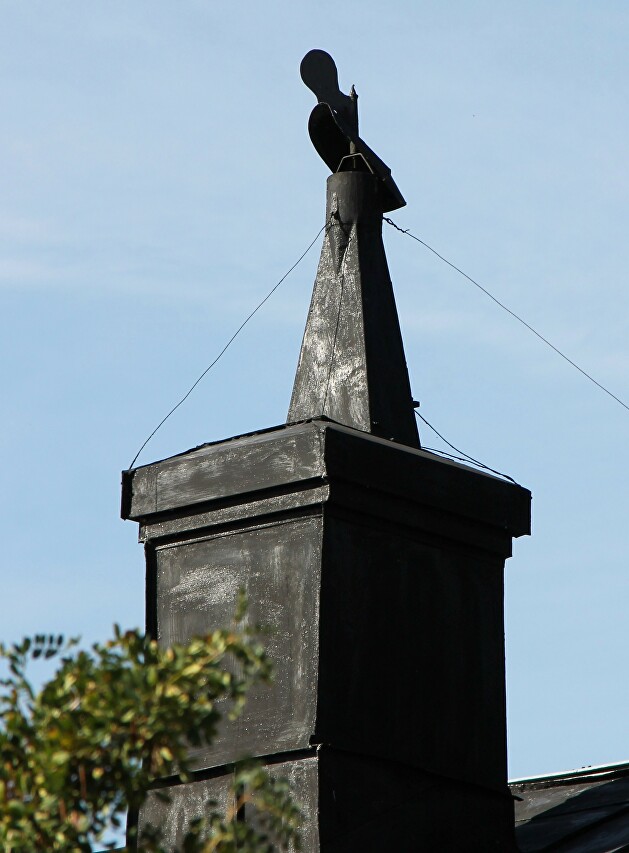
(333, 128)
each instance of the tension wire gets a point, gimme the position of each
(509, 311)
(464, 457)
(230, 341)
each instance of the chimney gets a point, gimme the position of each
(379, 566)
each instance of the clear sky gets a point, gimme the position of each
(156, 179)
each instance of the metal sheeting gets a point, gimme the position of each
(585, 813)
(352, 367)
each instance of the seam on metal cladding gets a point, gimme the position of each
(251, 511)
(234, 528)
(394, 494)
(225, 769)
(338, 244)
(241, 498)
(252, 514)
(424, 531)
(340, 274)
(436, 778)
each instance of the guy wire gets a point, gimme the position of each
(462, 452)
(509, 311)
(230, 341)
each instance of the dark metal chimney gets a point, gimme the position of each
(378, 565)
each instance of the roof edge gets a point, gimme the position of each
(620, 768)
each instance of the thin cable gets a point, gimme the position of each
(229, 342)
(465, 459)
(463, 453)
(509, 311)
(438, 452)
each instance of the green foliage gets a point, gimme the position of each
(274, 819)
(90, 743)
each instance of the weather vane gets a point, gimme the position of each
(333, 127)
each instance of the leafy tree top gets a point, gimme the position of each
(91, 743)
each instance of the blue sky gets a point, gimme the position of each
(157, 180)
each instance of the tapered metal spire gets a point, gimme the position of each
(352, 367)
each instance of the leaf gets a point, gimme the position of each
(80, 751)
